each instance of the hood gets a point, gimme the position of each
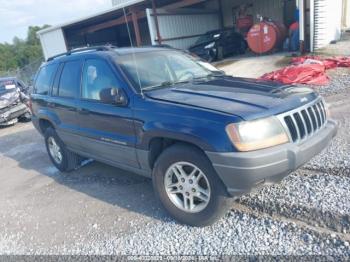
(8, 97)
(247, 98)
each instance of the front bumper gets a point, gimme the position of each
(8, 115)
(243, 171)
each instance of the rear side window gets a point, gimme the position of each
(70, 80)
(44, 80)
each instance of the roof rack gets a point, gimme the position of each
(83, 49)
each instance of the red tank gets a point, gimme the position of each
(266, 36)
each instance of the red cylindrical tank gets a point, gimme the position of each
(266, 36)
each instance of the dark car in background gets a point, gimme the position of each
(13, 101)
(202, 137)
(217, 44)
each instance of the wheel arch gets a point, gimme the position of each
(157, 145)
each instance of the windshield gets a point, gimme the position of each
(205, 39)
(161, 68)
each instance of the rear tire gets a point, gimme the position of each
(200, 209)
(63, 159)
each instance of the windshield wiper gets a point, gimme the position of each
(164, 84)
(208, 76)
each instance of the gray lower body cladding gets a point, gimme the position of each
(7, 115)
(243, 171)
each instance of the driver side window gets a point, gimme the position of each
(98, 81)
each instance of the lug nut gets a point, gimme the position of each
(182, 180)
(193, 190)
(181, 187)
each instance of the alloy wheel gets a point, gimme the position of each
(187, 187)
(54, 150)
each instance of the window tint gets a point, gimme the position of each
(70, 79)
(44, 79)
(98, 80)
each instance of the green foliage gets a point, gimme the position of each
(21, 52)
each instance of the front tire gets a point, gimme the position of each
(63, 159)
(188, 187)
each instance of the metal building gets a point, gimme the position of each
(180, 22)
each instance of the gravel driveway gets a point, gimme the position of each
(99, 209)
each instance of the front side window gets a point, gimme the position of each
(70, 80)
(44, 79)
(98, 80)
(160, 68)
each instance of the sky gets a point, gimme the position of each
(17, 15)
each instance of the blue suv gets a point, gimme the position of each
(203, 137)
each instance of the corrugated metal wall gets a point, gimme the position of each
(173, 26)
(327, 22)
(267, 8)
(346, 14)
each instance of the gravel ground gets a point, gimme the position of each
(339, 82)
(238, 233)
(320, 199)
(335, 159)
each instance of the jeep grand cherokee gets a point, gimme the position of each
(202, 137)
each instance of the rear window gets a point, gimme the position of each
(70, 80)
(44, 79)
(7, 84)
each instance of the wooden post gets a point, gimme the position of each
(136, 28)
(154, 10)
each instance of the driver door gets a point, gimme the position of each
(106, 129)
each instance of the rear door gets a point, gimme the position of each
(107, 130)
(63, 101)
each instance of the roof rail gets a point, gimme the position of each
(83, 49)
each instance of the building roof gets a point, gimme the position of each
(82, 19)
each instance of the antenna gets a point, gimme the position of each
(133, 52)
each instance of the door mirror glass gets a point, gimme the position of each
(119, 97)
(114, 96)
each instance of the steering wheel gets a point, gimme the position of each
(187, 73)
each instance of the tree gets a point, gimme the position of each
(21, 52)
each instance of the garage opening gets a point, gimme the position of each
(181, 23)
(109, 29)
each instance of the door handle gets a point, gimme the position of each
(71, 109)
(83, 111)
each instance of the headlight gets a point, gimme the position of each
(211, 45)
(257, 134)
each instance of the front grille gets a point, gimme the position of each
(305, 121)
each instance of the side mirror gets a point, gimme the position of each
(119, 96)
